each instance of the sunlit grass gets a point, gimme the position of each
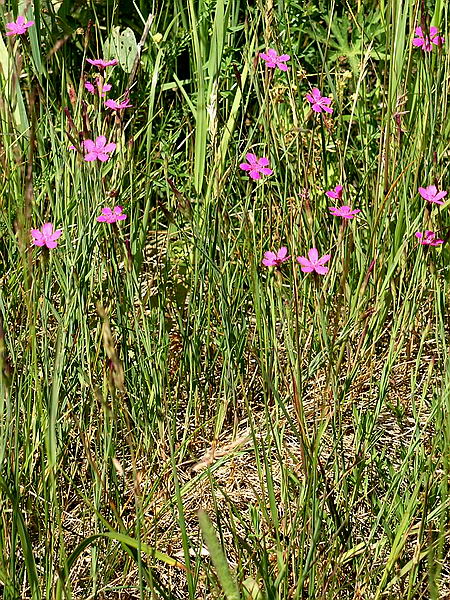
(154, 367)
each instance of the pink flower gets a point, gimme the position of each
(256, 166)
(426, 40)
(428, 238)
(345, 211)
(275, 259)
(102, 64)
(106, 87)
(111, 215)
(274, 60)
(45, 236)
(113, 105)
(319, 102)
(431, 194)
(336, 193)
(18, 27)
(313, 262)
(98, 149)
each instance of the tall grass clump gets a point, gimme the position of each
(224, 292)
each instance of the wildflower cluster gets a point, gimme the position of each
(98, 149)
(257, 167)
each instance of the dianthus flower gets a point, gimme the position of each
(345, 211)
(336, 193)
(114, 105)
(106, 87)
(274, 60)
(98, 149)
(431, 194)
(425, 40)
(275, 259)
(111, 215)
(256, 166)
(313, 262)
(319, 103)
(101, 63)
(19, 26)
(45, 236)
(428, 238)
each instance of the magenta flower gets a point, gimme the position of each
(18, 27)
(111, 215)
(425, 40)
(102, 64)
(106, 87)
(256, 166)
(98, 149)
(336, 193)
(275, 259)
(274, 60)
(345, 211)
(428, 238)
(313, 262)
(431, 194)
(319, 102)
(113, 105)
(45, 236)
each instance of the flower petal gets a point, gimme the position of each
(56, 235)
(304, 261)
(270, 254)
(89, 145)
(313, 255)
(440, 196)
(268, 262)
(324, 259)
(47, 229)
(100, 141)
(321, 270)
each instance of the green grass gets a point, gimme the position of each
(176, 420)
